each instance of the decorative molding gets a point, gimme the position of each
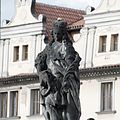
(96, 72)
(22, 30)
(108, 18)
(85, 74)
(106, 112)
(19, 80)
(10, 118)
(108, 79)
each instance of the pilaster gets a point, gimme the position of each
(6, 58)
(82, 45)
(90, 47)
(2, 43)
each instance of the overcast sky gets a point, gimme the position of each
(8, 7)
(80, 4)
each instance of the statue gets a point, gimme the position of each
(58, 69)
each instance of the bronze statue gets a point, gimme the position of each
(58, 69)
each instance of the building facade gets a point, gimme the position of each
(21, 36)
(98, 44)
(99, 47)
(21, 40)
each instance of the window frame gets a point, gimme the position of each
(106, 80)
(3, 113)
(13, 110)
(106, 103)
(112, 40)
(16, 53)
(24, 52)
(8, 90)
(33, 112)
(101, 44)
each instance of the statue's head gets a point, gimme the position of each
(59, 29)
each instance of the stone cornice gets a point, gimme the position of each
(103, 18)
(19, 80)
(95, 72)
(22, 30)
(85, 74)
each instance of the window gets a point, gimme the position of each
(35, 101)
(16, 53)
(12, 99)
(102, 43)
(3, 105)
(114, 42)
(106, 96)
(13, 103)
(25, 52)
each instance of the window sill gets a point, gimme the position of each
(15, 61)
(106, 112)
(100, 52)
(7, 118)
(25, 60)
(107, 53)
(36, 115)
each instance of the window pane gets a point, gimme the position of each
(3, 105)
(114, 42)
(14, 103)
(106, 96)
(35, 101)
(102, 43)
(25, 52)
(16, 53)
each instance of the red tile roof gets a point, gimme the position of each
(77, 25)
(53, 12)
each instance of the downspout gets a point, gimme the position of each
(93, 46)
(86, 47)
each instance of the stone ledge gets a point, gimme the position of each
(106, 112)
(10, 118)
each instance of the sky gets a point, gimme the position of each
(8, 6)
(80, 4)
